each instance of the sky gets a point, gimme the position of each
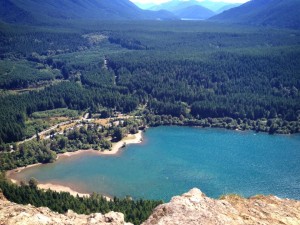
(162, 1)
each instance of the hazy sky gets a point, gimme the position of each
(162, 1)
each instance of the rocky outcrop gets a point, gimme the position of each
(15, 214)
(194, 208)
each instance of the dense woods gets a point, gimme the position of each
(180, 69)
(135, 211)
(165, 73)
(66, 94)
(110, 79)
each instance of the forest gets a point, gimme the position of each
(195, 70)
(183, 73)
(135, 211)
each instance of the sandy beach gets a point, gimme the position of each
(116, 147)
(78, 152)
(46, 186)
(9, 174)
(60, 188)
(130, 139)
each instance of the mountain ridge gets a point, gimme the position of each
(194, 12)
(273, 13)
(227, 7)
(186, 9)
(47, 11)
(180, 4)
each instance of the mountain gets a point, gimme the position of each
(274, 13)
(35, 11)
(180, 4)
(145, 5)
(185, 9)
(226, 7)
(174, 5)
(194, 12)
(214, 6)
(9, 12)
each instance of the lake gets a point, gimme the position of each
(171, 160)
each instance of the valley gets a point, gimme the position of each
(107, 98)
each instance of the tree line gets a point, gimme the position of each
(135, 211)
(187, 71)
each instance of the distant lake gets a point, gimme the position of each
(172, 160)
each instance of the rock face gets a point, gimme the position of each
(194, 208)
(14, 214)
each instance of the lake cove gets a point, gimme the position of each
(171, 160)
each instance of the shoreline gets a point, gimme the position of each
(130, 139)
(45, 186)
(62, 188)
(115, 149)
(9, 174)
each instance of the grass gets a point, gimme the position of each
(62, 112)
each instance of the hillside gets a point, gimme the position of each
(31, 11)
(275, 13)
(190, 208)
(194, 12)
(10, 12)
(227, 7)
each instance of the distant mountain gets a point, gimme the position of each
(227, 7)
(194, 12)
(145, 5)
(174, 5)
(185, 9)
(41, 11)
(181, 4)
(214, 6)
(275, 13)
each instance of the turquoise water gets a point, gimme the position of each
(172, 160)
